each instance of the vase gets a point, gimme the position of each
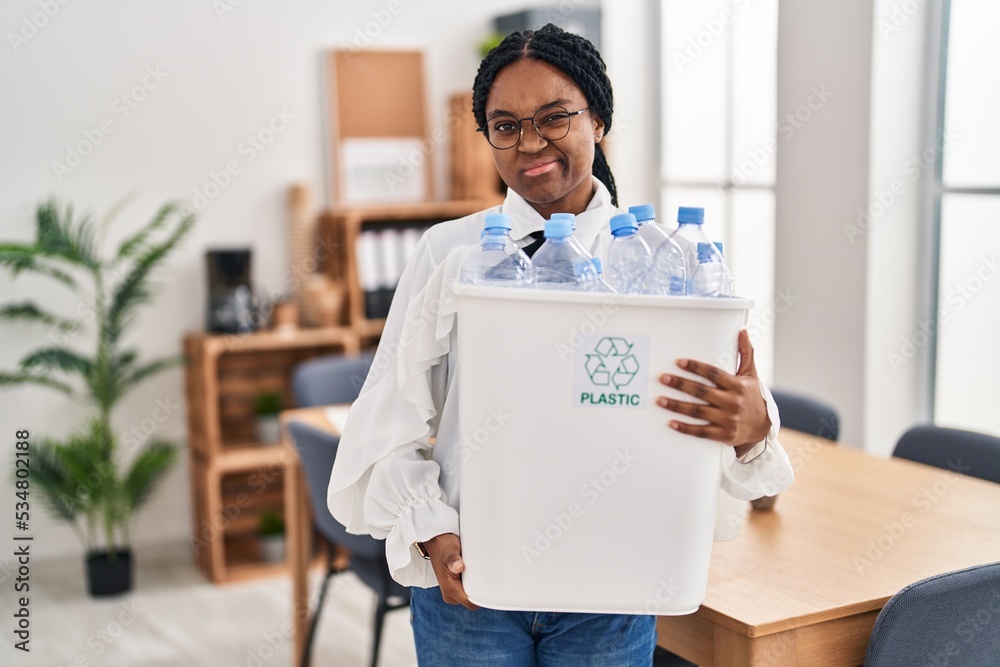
(272, 548)
(109, 573)
(268, 429)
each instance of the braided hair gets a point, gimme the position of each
(572, 54)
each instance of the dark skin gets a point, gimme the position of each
(552, 176)
(555, 177)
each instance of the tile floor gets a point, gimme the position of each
(174, 617)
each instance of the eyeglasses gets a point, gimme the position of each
(551, 124)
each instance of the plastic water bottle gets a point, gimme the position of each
(728, 282)
(628, 256)
(687, 237)
(667, 273)
(498, 261)
(667, 268)
(649, 231)
(709, 278)
(572, 225)
(600, 285)
(558, 263)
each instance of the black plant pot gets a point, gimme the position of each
(109, 573)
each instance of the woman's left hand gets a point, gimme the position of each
(735, 410)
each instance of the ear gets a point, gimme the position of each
(598, 128)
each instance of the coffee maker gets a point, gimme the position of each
(230, 296)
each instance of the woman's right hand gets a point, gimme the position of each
(445, 551)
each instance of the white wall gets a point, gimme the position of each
(224, 76)
(822, 178)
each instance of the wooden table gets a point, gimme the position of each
(803, 584)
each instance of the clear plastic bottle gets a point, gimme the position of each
(667, 268)
(649, 231)
(728, 282)
(600, 285)
(688, 235)
(709, 278)
(628, 256)
(497, 261)
(559, 263)
(572, 224)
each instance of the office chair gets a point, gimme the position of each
(973, 454)
(317, 450)
(329, 380)
(947, 619)
(806, 414)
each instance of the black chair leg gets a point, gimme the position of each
(380, 610)
(307, 651)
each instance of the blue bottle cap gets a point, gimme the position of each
(690, 215)
(566, 216)
(643, 212)
(706, 252)
(497, 221)
(623, 223)
(558, 228)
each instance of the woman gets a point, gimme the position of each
(390, 481)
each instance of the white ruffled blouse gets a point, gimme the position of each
(389, 480)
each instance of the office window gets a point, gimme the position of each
(718, 62)
(967, 364)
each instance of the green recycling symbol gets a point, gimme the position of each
(612, 362)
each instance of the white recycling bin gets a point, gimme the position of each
(575, 494)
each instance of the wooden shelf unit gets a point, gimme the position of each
(234, 479)
(345, 224)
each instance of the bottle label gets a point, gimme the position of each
(611, 371)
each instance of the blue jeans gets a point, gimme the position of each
(452, 636)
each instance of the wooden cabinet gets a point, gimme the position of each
(346, 224)
(234, 479)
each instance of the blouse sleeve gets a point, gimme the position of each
(384, 481)
(764, 470)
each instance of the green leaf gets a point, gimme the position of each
(114, 383)
(86, 460)
(19, 257)
(57, 358)
(152, 368)
(29, 312)
(9, 380)
(133, 290)
(148, 468)
(59, 236)
(137, 242)
(53, 483)
(115, 210)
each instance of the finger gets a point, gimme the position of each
(455, 564)
(696, 388)
(712, 373)
(453, 592)
(708, 431)
(747, 365)
(708, 413)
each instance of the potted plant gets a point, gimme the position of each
(266, 408)
(84, 480)
(272, 536)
